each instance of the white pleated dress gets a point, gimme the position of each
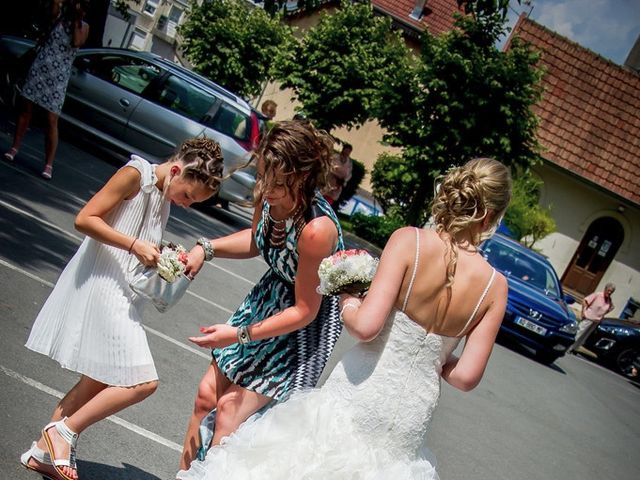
(92, 321)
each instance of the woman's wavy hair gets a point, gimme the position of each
(297, 153)
(202, 161)
(465, 197)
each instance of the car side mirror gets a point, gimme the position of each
(568, 299)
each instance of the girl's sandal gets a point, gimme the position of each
(68, 436)
(39, 456)
(47, 173)
(11, 154)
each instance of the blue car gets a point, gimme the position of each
(538, 313)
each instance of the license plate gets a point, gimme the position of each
(523, 322)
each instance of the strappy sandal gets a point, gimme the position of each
(47, 173)
(39, 456)
(68, 436)
(11, 154)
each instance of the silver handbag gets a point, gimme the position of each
(164, 295)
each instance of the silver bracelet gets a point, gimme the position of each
(243, 335)
(207, 246)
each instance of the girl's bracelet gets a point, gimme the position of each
(347, 305)
(132, 244)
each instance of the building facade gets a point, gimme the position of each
(590, 131)
(151, 26)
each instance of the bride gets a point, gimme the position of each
(370, 419)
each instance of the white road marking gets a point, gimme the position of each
(176, 342)
(40, 220)
(150, 330)
(114, 419)
(231, 273)
(79, 239)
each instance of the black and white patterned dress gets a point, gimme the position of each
(275, 367)
(46, 82)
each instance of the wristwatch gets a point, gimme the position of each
(206, 245)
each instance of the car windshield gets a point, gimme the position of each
(515, 264)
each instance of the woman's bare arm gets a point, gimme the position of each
(465, 372)
(364, 321)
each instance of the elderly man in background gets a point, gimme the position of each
(594, 308)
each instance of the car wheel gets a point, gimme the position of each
(628, 363)
(547, 357)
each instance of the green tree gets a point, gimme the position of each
(336, 70)
(233, 43)
(526, 218)
(464, 99)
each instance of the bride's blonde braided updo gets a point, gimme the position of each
(296, 151)
(202, 160)
(465, 196)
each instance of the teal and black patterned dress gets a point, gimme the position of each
(275, 367)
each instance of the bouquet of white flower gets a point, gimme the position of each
(347, 271)
(172, 262)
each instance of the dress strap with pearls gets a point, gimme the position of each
(415, 269)
(480, 300)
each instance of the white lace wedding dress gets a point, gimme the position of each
(369, 420)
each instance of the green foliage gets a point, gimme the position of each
(393, 180)
(464, 99)
(337, 68)
(526, 218)
(123, 8)
(357, 174)
(234, 43)
(377, 230)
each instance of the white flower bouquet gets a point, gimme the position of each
(347, 271)
(172, 262)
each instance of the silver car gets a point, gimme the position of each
(138, 102)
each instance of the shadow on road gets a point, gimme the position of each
(99, 471)
(527, 352)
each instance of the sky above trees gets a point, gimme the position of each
(608, 27)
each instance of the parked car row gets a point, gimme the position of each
(616, 342)
(538, 313)
(138, 102)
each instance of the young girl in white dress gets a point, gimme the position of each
(370, 419)
(92, 321)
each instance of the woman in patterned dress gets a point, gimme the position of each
(48, 77)
(281, 336)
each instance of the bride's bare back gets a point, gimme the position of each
(434, 306)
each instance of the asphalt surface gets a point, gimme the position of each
(573, 420)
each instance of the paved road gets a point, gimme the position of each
(526, 421)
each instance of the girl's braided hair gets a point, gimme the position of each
(202, 159)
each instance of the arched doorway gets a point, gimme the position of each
(594, 255)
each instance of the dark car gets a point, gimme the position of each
(617, 344)
(538, 313)
(127, 102)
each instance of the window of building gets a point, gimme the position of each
(175, 14)
(138, 39)
(150, 7)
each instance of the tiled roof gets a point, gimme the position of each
(589, 114)
(437, 16)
